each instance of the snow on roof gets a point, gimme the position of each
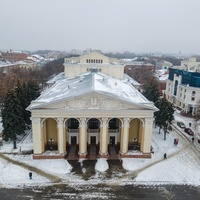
(11, 51)
(67, 88)
(162, 74)
(56, 78)
(38, 57)
(138, 63)
(6, 63)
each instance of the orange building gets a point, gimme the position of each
(14, 56)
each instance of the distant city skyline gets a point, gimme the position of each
(167, 26)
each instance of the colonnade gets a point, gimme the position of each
(39, 140)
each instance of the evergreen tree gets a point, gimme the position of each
(27, 92)
(165, 115)
(15, 117)
(31, 92)
(12, 117)
(151, 91)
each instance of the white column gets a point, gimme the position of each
(82, 137)
(37, 135)
(125, 136)
(61, 140)
(104, 137)
(147, 136)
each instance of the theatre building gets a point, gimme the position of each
(92, 110)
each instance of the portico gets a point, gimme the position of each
(83, 136)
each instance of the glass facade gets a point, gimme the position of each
(191, 78)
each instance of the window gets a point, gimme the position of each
(175, 87)
(193, 96)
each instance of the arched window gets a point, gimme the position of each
(193, 96)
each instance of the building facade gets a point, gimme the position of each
(183, 89)
(92, 107)
(190, 64)
(14, 56)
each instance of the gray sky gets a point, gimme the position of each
(109, 25)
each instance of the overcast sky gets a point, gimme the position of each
(109, 25)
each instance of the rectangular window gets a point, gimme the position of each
(193, 98)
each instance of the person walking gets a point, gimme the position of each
(192, 139)
(165, 155)
(30, 175)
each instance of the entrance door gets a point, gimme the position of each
(112, 140)
(93, 140)
(73, 140)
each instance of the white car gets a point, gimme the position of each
(181, 124)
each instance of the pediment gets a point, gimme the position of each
(93, 101)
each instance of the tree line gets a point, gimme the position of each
(165, 115)
(18, 87)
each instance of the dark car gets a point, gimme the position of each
(189, 131)
(181, 124)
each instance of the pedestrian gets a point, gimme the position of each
(30, 175)
(165, 155)
(192, 139)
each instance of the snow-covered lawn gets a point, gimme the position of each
(182, 165)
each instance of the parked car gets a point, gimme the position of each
(181, 124)
(189, 131)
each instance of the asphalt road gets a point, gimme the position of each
(101, 191)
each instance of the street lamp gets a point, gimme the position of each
(134, 143)
(51, 144)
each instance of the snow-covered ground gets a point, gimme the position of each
(182, 165)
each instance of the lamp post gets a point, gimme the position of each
(51, 144)
(134, 143)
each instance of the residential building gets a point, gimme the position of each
(14, 56)
(162, 76)
(139, 70)
(92, 110)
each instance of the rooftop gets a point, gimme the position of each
(67, 88)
